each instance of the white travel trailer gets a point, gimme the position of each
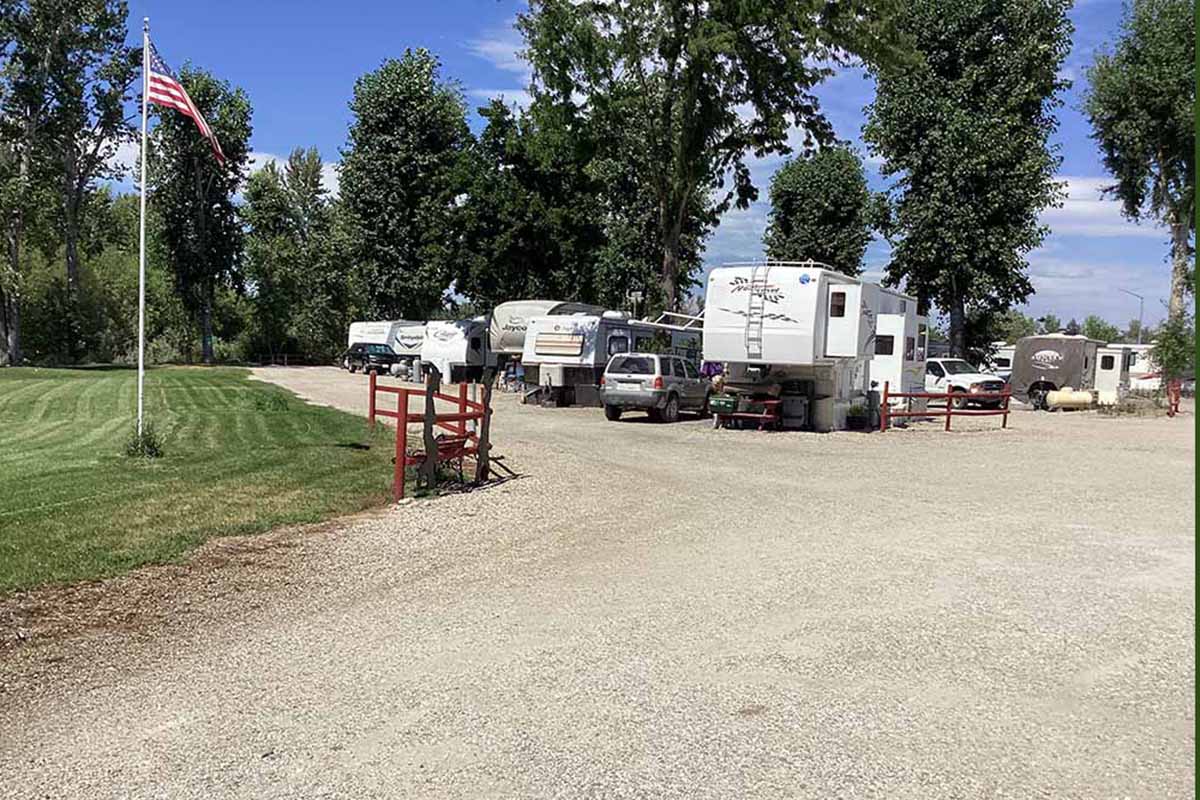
(509, 322)
(1144, 373)
(403, 336)
(565, 355)
(1000, 363)
(1112, 373)
(455, 348)
(809, 329)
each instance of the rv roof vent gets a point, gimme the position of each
(616, 315)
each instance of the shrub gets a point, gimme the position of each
(147, 444)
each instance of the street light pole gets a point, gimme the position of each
(1141, 306)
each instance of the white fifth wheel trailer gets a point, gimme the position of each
(455, 348)
(565, 355)
(509, 322)
(1144, 373)
(808, 329)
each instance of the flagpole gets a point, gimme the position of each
(142, 233)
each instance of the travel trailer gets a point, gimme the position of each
(403, 336)
(811, 331)
(1112, 373)
(509, 322)
(1000, 364)
(565, 355)
(455, 348)
(1144, 374)
(1042, 364)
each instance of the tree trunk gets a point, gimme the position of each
(672, 232)
(958, 327)
(206, 325)
(71, 245)
(1179, 269)
(12, 332)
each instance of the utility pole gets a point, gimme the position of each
(1141, 306)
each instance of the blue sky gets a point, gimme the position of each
(298, 62)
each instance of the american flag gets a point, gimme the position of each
(165, 90)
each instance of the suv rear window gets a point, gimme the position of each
(632, 365)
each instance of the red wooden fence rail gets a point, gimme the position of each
(462, 443)
(886, 414)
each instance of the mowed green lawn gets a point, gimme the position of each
(240, 456)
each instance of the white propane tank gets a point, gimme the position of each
(1067, 397)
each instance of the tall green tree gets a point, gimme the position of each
(29, 33)
(1141, 103)
(965, 133)
(1095, 327)
(821, 209)
(706, 83)
(401, 181)
(93, 70)
(298, 280)
(192, 192)
(1013, 325)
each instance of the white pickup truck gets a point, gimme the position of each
(956, 375)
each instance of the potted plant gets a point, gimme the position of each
(857, 418)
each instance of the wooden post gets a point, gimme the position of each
(949, 405)
(883, 410)
(371, 401)
(401, 445)
(484, 445)
(428, 473)
(462, 408)
(1007, 396)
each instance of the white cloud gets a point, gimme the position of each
(501, 48)
(1069, 286)
(1087, 213)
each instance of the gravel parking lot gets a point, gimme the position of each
(667, 611)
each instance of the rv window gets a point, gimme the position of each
(476, 342)
(1002, 363)
(837, 304)
(631, 365)
(885, 345)
(642, 343)
(910, 348)
(618, 344)
(1107, 362)
(1132, 359)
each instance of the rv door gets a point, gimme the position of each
(843, 319)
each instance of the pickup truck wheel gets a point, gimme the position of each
(960, 398)
(612, 413)
(671, 409)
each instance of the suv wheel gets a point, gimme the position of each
(612, 413)
(670, 412)
(352, 367)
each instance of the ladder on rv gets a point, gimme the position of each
(755, 309)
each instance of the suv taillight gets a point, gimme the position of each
(601, 380)
(658, 382)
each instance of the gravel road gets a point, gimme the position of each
(672, 611)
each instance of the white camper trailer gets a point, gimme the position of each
(509, 322)
(1144, 373)
(807, 328)
(455, 348)
(566, 355)
(1112, 373)
(402, 336)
